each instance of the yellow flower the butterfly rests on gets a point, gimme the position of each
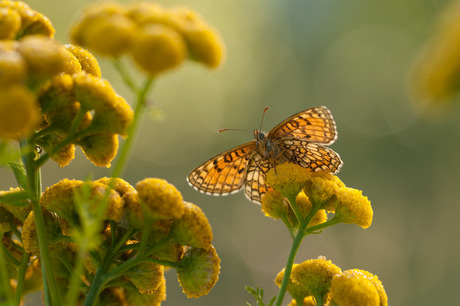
(301, 139)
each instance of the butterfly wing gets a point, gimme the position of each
(314, 124)
(255, 187)
(311, 155)
(224, 173)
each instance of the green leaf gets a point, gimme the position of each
(19, 173)
(15, 198)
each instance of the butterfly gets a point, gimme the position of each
(301, 139)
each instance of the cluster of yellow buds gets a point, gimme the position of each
(436, 75)
(323, 190)
(178, 233)
(320, 280)
(55, 90)
(157, 38)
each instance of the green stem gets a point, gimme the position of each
(297, 240)
(21, 278)
(51, 292)
(139, 110)
(5, 289)
(321, 226)
(102, 276)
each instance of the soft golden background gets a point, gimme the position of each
(355, 57)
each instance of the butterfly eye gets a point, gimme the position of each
(261, 136)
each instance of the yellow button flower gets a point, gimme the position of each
(146, 276)
(437, 71)
(158, 48)
(20, 209)
(19, 113)
(274, 205)
(315, 275)
(104, 28)
(349, 289)
(288, 178)
(353, 207)
(204, 43)
(87, 61)
(10, 23)
(64, 156)
(160, 198)
(29, 231)
(60, 198)
(112, 113)
(304, 205)
(383, 298)
(43, 56)
(100, 148)
(12, 67)
(200, 271)
(295, 289)
(192, 228)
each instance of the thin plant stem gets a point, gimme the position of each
(297, 240)
(51, 292)
(21, 278)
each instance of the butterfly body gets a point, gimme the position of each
(299, 139)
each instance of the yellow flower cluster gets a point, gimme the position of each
(437, 71)
(56, 90)
(319, 279)
(181, 230)
(322, 190)
(157, 38)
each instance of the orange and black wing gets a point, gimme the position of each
(314, 125)
(224, 173)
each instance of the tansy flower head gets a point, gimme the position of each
(10, 23)
(112, 113)
(133, 297)
(353, 207)
(100, 148)
(20, 209)
(204, 42)
(350, 288)
(275, 205)
(315, 275)
(288, 178)
(192, 228)
(60, 198)
(304, 205)
(295, 289)
(12, 68)
(71, 63)
(64, 156)
(308, 301)
(146, 276)
(30, 23)
(29, 231)
(158, 48)
(383, 298)
(19, 113)
(87, 61)
(160, 199)
(119, 185)
(200, 271)
(43, 56)
(437, 73)
(105, 29)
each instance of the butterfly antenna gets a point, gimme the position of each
(263, 115)
(223, 130)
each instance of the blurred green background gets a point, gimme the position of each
(355, 57)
